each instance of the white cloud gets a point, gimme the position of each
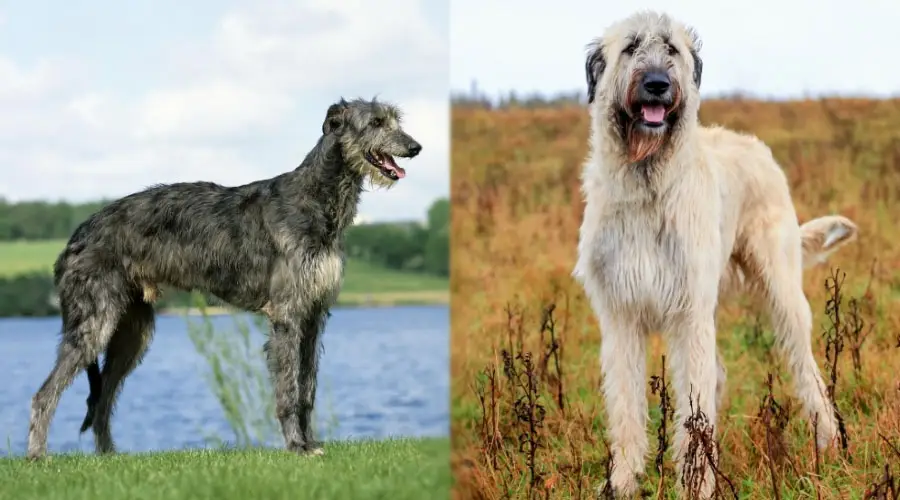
(89, 109)
(119, 173)
(18, 82)
(241, 102)
(322, 43)
(218, 108)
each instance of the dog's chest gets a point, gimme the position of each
(640, 261)
(326, 273)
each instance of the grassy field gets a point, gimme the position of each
(360, 280)
(527, 417)
(395, 469)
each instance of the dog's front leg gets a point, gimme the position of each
(691, 340)
(283, 354)
(624, 368)
(310, 346)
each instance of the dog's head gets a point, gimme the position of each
(643, 78)
(370, 137)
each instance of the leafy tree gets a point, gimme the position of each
(437, 246)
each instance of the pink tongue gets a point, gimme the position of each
(653, 114)
(391, 165)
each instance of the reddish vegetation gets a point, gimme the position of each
(527, 418)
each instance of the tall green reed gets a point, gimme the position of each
(237, 375)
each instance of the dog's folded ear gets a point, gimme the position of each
(696, 44)
(334, 118)
(594, 66)
(698, 67)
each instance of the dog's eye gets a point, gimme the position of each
(377, 122)
(673, 51)
(630, 48)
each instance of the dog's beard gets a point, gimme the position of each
(378, 169)
(641, 144)
(641, 141)
(374, 176)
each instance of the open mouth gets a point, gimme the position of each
(386, 165)
(652, 114)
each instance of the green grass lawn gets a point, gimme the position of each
(360, 278)
(393, 469)
(17, 257)
(363, 277)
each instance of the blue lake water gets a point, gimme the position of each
(384, 372)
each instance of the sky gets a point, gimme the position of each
(102, 98)
(768, 48)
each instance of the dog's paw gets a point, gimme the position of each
(827, 434)
(618, 488)
(828, 443)
(605, 491)
(311, 450)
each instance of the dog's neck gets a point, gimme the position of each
(323, 177)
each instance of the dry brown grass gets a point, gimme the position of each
(527, 419)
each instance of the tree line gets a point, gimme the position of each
(476, 98)
(404, 246)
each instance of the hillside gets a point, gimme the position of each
(362, 277)
(364, 282)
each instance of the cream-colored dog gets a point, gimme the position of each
(676, 211)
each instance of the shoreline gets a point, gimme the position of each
(345, 301)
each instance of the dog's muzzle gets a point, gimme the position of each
(413, 149)
(656, 83)
(654, 98)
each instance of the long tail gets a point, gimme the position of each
(823, 236)
(96, 383)
(819, 238)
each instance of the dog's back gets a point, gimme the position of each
(187, 235)
(759, 195)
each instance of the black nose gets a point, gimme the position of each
(657, 83)
(414, 148)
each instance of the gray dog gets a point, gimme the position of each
(272, 246)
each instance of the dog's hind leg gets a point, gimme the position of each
(88, 322)
(95, 383)
(71, 358)
(776, 259)
(624, 368)
(124, 353)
